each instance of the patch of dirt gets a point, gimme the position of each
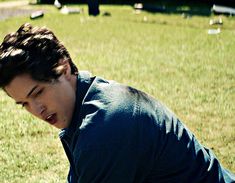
(6, 13)
(11, 9)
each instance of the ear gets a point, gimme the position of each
(64, 68)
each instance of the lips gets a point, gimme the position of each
(52, 119)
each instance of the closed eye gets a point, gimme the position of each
(39, 92)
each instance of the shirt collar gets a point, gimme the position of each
(84, 81)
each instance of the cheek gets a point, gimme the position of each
(67, 103)
(52, 99)
(60, 99)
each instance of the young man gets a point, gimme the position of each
(111, 133)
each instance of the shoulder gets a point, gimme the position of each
(111, 113)
(110, 97)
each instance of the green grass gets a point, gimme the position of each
(165, 55)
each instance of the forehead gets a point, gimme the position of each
(19, 87)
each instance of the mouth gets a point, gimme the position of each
(52, 119)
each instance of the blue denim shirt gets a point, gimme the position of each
(121, 135)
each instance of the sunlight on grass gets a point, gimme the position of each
(165, 55)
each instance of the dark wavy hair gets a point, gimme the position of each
(32, 50)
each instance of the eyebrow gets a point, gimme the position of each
(30, 92)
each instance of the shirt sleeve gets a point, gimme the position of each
(179, 155)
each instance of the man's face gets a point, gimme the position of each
(52, 102)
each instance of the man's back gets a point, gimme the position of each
(124, 135)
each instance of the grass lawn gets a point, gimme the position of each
(168, 56)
